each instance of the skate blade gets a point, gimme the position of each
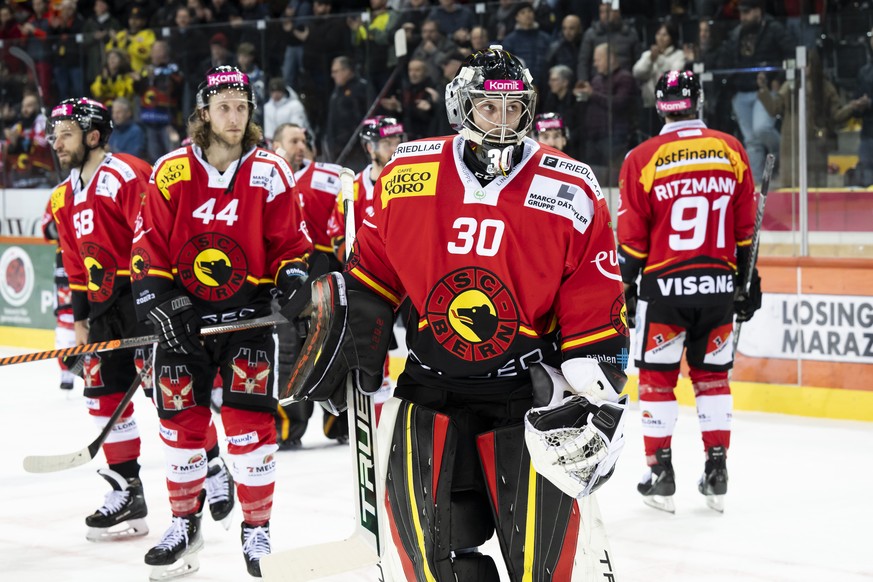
(227, 520)
(132, 528)
(662, 502)
(188, 563)
(715, 502)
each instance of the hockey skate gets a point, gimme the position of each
(659, 484)
(123, 511)
(176, 553)
(713, 483)
(220, 492)
(255, 545)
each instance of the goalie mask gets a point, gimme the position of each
(88, 115)
(677, 94)
(223, 78)
(491, 102)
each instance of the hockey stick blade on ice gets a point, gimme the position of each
(135, 342)
(746, 283)
(52, 463)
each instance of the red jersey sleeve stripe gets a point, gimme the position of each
(160, 273)
(634, 253)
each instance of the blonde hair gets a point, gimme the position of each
(200, 132)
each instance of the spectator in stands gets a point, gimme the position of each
(758, 40)
(219, 54)
(864, 109)
(10, 35)
(246, 61)
(559, 98)
(661, 57)
(609, 113)
(418, 96)
(220, 11)
(115, 80)
(325, 38)
(349, 102)
(283, 106)
(412, 16)
(295, 18)
(98, 29)
(28, 154)
(825, 114)
(375, 41)
(189, 46)
(450, 64)
(136, 40)
(35, 30)
(529, 43)
(160, 89)
(66, 58)
(501, 21)
(479, 39)
(451, 16)
(433, 48)
(565, 50)
(127, 136)
(611, 29)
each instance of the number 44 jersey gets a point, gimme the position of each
(220, 237)
(499, 276)
(687, 203)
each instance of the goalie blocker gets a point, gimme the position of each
(349, 332)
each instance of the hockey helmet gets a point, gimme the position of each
(678, 93)
(88, 115)
(493, 74)
(546, 121)
(377, 128)
(220, 79)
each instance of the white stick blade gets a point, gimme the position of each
(52, 463)
(319, 561)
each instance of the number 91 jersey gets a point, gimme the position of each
(220, 237)
(499, 276)
(687, 203)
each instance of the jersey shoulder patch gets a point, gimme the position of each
(171, 170)
(561, 198)
(570, 167)
(282, 166)
(58, 198)
(121, 167)
(421, 147)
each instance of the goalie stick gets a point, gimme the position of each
(134, 342)
(365, 546)
(52, 463)
(746, 283)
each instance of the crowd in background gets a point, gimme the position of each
(326, 64)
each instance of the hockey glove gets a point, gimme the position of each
(297, 294)
(349, 333)
(745, 306)
(630, 303)
(177, 325)
(75, 364)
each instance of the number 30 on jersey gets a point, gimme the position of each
(483, 237)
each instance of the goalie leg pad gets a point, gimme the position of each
(350, 331)
(537, 525)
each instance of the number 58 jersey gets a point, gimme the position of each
(500, 276)
(687, 203)
(219, 237)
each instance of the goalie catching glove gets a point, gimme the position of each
(575, 440)
(349, 333)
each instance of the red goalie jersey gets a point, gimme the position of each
(222, 237)
(687, 203)
(499, 276)
(95, 226)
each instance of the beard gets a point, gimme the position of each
(76, 158)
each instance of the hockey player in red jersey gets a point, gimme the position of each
(685, 223)
(504, 248)
(380, 137)
(221, 232)
(549, 129)
(318, 185)
(94, 210)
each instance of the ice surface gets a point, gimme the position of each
(798, 507)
